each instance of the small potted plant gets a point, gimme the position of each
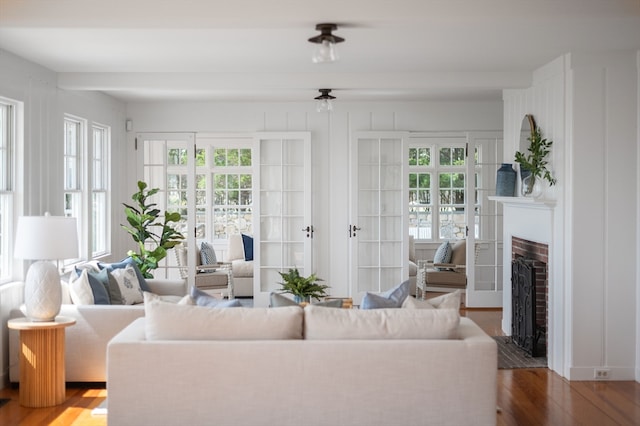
(535, 162)
(303, 289)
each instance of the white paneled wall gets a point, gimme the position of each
(588, 105)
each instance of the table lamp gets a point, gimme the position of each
(45, 238)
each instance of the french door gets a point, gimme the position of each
(284, 230)
(378, 228)
(167, 162)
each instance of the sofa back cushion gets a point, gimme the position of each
(169, 321)
(338, 324)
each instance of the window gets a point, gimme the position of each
(223, 187)
(86, 183)
(437, 188)
(100, 224)
(7, 146)
(232, 192)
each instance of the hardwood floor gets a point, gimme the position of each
(525, 397)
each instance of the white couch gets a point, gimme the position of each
(295, 367)
(86, 341)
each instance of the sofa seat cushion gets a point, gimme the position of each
(170, 321)
(242, 268)
(339, 324)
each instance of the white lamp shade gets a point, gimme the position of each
(46, 238)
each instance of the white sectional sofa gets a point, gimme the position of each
(86, 341)
(289, 366)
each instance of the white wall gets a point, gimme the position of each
(40, 185)
(330, 134)
(588, 105)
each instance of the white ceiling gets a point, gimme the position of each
(140, 50)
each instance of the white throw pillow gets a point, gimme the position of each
(80, 289)
(129, 285)
(171, 321)
(371, 324)
(446, 301)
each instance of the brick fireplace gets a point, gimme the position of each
(534, 257)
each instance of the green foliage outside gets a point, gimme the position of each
(148, 227)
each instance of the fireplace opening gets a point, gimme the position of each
(529, 289)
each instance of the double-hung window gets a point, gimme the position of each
(100, 225)
(437, 188)
(86, 183)
(7, 185)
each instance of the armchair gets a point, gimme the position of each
(444, 277)
(216, 278)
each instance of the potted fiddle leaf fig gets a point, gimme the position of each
(535, 162)
(153, 231)
(302, 288)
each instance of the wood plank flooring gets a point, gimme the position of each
(525, 397)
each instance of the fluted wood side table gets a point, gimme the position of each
(42, 371)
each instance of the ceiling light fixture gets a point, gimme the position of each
(326, 50)
(324, 100)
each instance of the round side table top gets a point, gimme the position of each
(27, 324)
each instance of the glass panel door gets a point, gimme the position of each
(167, 163)
(484, 256)
(379, 220)
(284, 231)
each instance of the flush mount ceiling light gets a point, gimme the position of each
(326, 50)
(324, 100)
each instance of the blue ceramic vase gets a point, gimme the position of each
(506, 181)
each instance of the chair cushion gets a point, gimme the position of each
(437, 278)
(242, 268)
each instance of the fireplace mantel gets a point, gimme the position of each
(524, 201)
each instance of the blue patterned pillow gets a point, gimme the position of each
(443, 255)
(393, 298)
(122, 265)
(207, 254)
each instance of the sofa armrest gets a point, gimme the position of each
(175, 287)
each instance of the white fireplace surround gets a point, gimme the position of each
(531, 220)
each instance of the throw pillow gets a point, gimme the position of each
(338, 324)
(80, 289)
(207, 254)
(129, 285)
(446, 301)
(123, 264)
(247, 241)
(390, 299)
(100, 294)
(110, 284)
(203, 299)
(171, 321)
(443, 255)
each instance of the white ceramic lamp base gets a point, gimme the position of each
(42, 292)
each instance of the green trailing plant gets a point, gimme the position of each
(303, 288)
(152, 231)
(535, 160)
